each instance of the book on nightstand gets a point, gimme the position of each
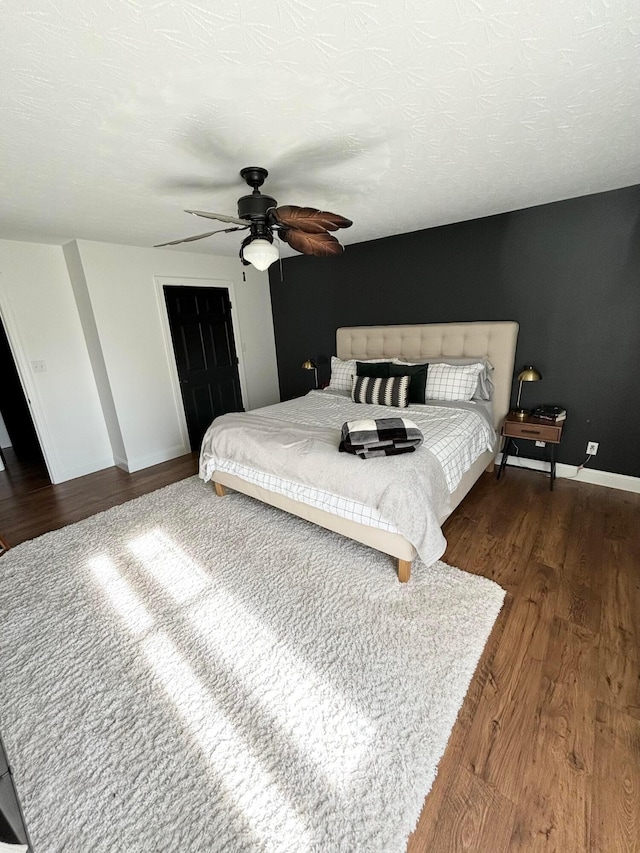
(552, 414)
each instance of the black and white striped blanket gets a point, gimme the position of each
(381, 437)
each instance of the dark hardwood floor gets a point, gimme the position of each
(545, 755)
(26, 513)
(20, 475)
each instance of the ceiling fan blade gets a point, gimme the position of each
(221, 217)
(199, 237)
(321, 245)
(326, 153)
(212, 146)
(204, 184)
(309, 219)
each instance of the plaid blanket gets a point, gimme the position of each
(381, 437)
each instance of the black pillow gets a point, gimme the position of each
(376, 369)
(418, 374)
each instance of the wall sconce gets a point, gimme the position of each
(527, 374)
(310, 364)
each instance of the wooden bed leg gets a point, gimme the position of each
(404, 570)
(491, 467)
(220, 490)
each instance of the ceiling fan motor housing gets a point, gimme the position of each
(255, 206)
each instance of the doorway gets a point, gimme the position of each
(24, 466)
(201, 329)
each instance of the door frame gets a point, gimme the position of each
(183, 281)
(30, 391)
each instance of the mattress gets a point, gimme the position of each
(456, 434)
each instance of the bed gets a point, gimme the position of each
(242, 465)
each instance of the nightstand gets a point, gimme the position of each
(531, 429)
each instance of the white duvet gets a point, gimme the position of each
(292, 448)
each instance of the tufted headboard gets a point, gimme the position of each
(496, 341)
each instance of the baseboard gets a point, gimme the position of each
(132, 465)
(582, 475)
(82, 470)
(119, 462)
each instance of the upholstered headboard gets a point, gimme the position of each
(496, 341)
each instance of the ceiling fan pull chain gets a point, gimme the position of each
(277, 237)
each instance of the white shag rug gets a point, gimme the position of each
(185, 672)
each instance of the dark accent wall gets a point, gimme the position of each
(568, 272)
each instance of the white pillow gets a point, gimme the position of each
(484, 389)
(342, 371)
(452, 382)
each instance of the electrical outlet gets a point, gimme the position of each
(592, 448)
(541, 443)
(39, 366)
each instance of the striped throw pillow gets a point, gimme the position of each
(392, 391)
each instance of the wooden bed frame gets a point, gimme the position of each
(493, 340)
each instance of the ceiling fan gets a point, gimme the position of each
(305, 229)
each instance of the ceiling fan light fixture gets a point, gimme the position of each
(260, 253)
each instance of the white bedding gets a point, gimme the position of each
(406, 494)
(456, 433)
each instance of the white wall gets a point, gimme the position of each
(105, 350)
(123, 290)
(94, 348)
(5, 441)
(42, 323)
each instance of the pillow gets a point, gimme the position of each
(373, 368)
(418, 379)
(343, 370)
(452, 382)
(392, 391)
(484, 391)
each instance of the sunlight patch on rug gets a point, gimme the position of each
(185, 671)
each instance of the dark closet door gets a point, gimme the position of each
(15, 409)
(202, 335)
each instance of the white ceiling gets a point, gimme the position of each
(399, 114)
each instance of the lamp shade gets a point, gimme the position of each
(529, 374)
(260, 253)
(310, 364)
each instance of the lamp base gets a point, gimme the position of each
(519, 414)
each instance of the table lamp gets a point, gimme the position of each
(310, 364)
(527, 374)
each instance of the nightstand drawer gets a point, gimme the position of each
(533, 431)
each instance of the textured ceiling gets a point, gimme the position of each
(399, 114)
